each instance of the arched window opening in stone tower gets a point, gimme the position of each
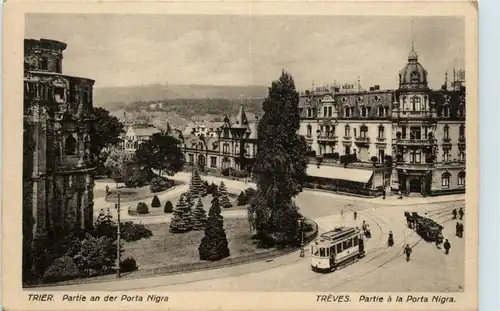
(70, 145)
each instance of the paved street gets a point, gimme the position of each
(383, 269)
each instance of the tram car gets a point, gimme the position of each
(425, 227)
(336, 247)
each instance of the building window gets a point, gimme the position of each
(380, 111)
(308, 112)
(225, 148)
(364, 111)
(415, 156)
(363, 131)
(446, 111)
(416, 103)
(325, 111)
(381, 132)
(191, 159)
(213, 161)
(330, 111)
(446, 155)
(347, 111)
(461, 131)
(70, 145)
(347, 150)
(309, 130)
(403, 130)
(381, 155)
(446, 132)
(347, 130)
(415, 133)
(461, 179)
(461, 155)
(445, 180)
(354, 132)
(45, 63)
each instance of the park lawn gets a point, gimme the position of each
(207, 202)
(165, 248)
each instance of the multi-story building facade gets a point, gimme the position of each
(411, 139)
(136, 134)
(59, 158)
(234, 145)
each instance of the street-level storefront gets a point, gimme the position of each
(341, 179)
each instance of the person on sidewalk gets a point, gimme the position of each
(447, 247)
(439, 240)
(461, 231)
(355, 215)
(400, 195)
(407, 252)
(383, 195)
(107, 189)
(454, 213)
(457, 229)
(461, 213)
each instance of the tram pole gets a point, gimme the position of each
(118, 236)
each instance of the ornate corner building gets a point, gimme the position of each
(411, 139)
(58, 160)
(234, 145)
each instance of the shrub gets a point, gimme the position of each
(214, 245)
(223, 196)
(128, 265)
(136, 176)
(311, 153)
(131, 232)
(181, 220)
(94, 255)
(155, 202)
(199, 216)
(62, 269)
(142, 208)
(242, 199)
(196, 187)
(169, 208)
(158, 184)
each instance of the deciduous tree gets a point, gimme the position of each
(161, 152)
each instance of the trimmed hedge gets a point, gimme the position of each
(155, 202)
(169, 208)
(142, 208)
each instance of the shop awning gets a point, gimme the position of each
(333, 172)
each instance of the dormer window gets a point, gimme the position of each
(415, 101)
(415, 76)
(45, 63)
(446, 111)
(364, 111)
(380, 111)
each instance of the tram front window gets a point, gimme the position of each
(314, 250)
(322, 252)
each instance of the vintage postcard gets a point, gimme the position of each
(240, 155)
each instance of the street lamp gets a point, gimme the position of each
(118, 236)
(302, 252)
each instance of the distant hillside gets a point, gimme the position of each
(113, 98)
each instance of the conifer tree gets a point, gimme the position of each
(223, 196)
(196, 186)
(214, 245)
(181, 219)
(281, 161)
(199, 217)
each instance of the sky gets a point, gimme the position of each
(128, 50)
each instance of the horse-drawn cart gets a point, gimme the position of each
(427, 228)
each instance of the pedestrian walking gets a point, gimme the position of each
(407, 252)
(363, 226)
(447, 247)
(454, 213)
(461, 231)
(384, 193)
(355, 215)
(461, 213)
(107, 189)
(400, 195)
(457, 229)
(390, 241)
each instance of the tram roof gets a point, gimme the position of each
(339, 233)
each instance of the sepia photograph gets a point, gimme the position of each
(280, 153)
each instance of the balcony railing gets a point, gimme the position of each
(414, 166)
(362, 139)
(424, 114)
(424, 142)
(381, 140)
(327, 137)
